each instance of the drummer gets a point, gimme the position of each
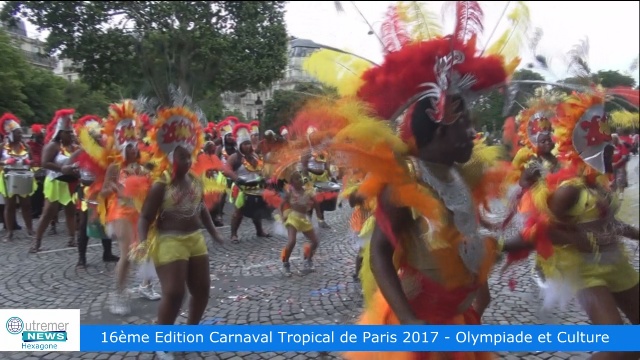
(315, 165)
(15, 153)
(57, 157)
(225, 148)
(248, 168)
(35, 145)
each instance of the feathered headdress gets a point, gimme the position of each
(89, 130)
(122, 128)
(8, 123)
(62, 121)
(242, 133)
(211, 129)
(37, 129)
(625, 119)
(420, 64)
(537, 118)
(232, 120)
(582, 130)
(255, 127)
(177, 126)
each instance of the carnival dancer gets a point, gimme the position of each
(36, 144)
(228, 147)
(92, 163)
(58, 157)
(428, 259)
(213, 174)
(16, 161)
(621, 157)
(174, 215)
(248, 168)
(315, 166)
(572, 224)
(122, 129)
(294, 209)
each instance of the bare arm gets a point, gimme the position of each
(150, 209)
(208, 224)
(110, 180)
(48, 157)
(382, 263)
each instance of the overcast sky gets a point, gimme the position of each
(611, 27)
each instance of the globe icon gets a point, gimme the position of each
(15, 325)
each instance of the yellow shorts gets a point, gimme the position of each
(172, 247)
(617, 277)
(299, 221)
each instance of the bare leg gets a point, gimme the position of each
(9, 216)
(199, 283)
(628, 302)
(602, 309)
(172, 279)
(286, 252)
(70, 216)
(50, 211)
(25, 205)
(236, 220)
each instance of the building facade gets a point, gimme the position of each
(250, 104)
(34, 50)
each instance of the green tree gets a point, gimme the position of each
(489, 109)
(283, 106)
(13, 71)
(45, 94)
(78, 95)
(205, 47)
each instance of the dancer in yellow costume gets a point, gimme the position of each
(428, 260)
(174, 214)
(15, 153)
(572, 224)
(62, 178)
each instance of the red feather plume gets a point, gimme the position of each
(37, 128)
(627, 93)
(51, 128)
(393, 32)
(469, 17)
(7, 117)
(85, 119)
(232, 120)
(240, 126)
(510, 135)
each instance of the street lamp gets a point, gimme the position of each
(258, 105)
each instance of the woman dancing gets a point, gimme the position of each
(572, 225)
(58, 157)
(173, 217)
(15, 152)
(297, 203)
(122, 129)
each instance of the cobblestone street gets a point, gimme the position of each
(248, 287)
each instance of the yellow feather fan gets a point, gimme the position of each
(340, 70)
(422, 23)
(625, 119)
(512, 40)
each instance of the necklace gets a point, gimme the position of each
(456, 197)
(250, 167)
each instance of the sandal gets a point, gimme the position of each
(235, 240)
(264, 235)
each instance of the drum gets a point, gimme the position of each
(329, 204)
(254, 205)
(19, 182)
(86, 177)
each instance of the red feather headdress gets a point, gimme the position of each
(8, 123)
(62, 120)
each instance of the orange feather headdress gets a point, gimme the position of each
(122, 128)
(582, 131)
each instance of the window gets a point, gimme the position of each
(249, 115)
(70, 78)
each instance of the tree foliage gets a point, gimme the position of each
(34, 94)
(282, 107)
(489, 110)
(206, 47)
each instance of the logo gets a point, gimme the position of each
(40, 330)
(15, 325)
